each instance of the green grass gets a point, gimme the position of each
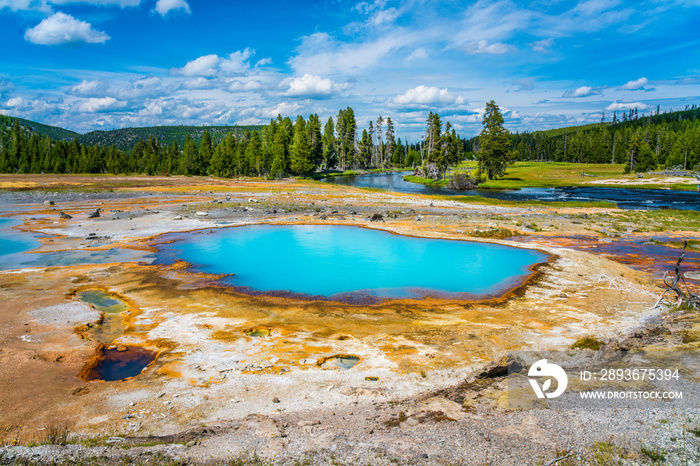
(425, 181)
(498, 202)
(563, 174)
(607, 453)
(589, 342)
(499, 233)
(552, 175)
(655, 454)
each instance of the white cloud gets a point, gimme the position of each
(149, 86)
(163, 7)
(418, 54)
(203, 66)
(263, 62)
(63, 29)
(311, 86)
(526, 84)
(543, 46)
(320, 53)
(237, 61)
(199, 83)
(283, 108)
(6, 85)
(486, 24)
(425, 96)
(583, 91)
(45, 5)
(626, 106)
(100, 104)
(482, 46)
(635, 85)
(90, 88)
(245, 86)
(211, 65)
(120, 3)
(14, 102)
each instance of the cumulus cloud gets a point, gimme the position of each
(583, 91)
(635, 85)
(15, 102)
(63, 29)
(237, 61)
(198, 83)
(100, 104)
(203, 66)
(163, 7)
(426, 96)
(236, 86)
(148, 86)
(91, 88)
(624, 105)
(311, 87)
(211, 65)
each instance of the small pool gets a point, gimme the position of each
(341, 262)
(103, 301)
(121, 363)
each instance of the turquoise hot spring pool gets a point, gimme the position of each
(345, 263)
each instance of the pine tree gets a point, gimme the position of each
(390, 140)
(302, 164)
(189, 163)
(397, 158)
(494, 153)
(205, 153)
(330, 158)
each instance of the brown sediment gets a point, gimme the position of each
(92, 362)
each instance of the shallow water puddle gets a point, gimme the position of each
(103, 301)
(343, 362)
(113, 325)
(258, 332)
(121, 363)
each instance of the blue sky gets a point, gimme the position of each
(103, 64)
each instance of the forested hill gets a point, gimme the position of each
(126, 138)
(32, 127)
(643, 142)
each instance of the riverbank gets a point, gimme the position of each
(225, 393)
(556, 175)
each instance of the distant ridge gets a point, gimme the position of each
(53, 132)
(126, 138)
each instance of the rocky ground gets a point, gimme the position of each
(425, 391)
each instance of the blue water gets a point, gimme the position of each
(339, 262)
(638, 199)
(13, 242)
